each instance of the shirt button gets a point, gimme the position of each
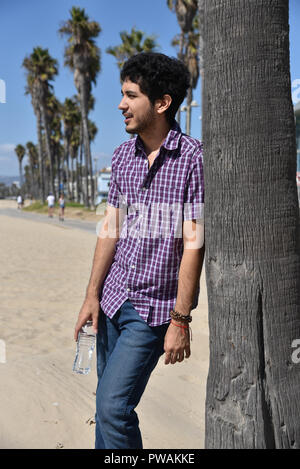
(128, 289)
(133, 266)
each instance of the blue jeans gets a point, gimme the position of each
(127, 352)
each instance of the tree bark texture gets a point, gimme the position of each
(40, 156)
(251, 227)
(48, 147)
(84, 98)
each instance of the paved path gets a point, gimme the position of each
(67, 223)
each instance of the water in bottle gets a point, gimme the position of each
(85, 346)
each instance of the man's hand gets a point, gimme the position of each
(177, 342)
(89, 311)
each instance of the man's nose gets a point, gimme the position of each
(122, 106)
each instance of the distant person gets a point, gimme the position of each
(142, 286)
(20, 202)
(61, 203)
(50, 200)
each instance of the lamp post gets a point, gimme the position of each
(96, 181)
(187, 109)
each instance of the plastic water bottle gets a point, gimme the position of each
(85, 346)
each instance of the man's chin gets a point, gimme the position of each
(130, 130)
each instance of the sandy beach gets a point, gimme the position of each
(43, 404)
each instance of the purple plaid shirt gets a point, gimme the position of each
(156, 201)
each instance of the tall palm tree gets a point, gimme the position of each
(185, 12)
(32, 90)
(201, 39)
(20, 152)
(54, 114)
(252, 247)
(73, 149)
(192, 61)
(82, 56)
(41, 69)
(190, 57)
(93, 130)
(132, 43)
(32, 153)
(71, 116)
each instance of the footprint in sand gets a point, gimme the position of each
(189, 378)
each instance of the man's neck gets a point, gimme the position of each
(154, 137)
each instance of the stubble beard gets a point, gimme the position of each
(143, 124)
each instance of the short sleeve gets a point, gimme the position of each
(114, 192)
(194, 190)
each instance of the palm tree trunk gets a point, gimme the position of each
(40, 157)
(72, 178)
(86, 140)
(66, 162)
(48, 148)
(20, 173)
(201, 39)
(252, 247)
(32, 181)
(58, 159)
(77, 179)
(181, 57)
(86, 169)
(189, 100)
(81, 172)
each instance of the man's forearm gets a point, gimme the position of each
(188, 279)
(103, 257)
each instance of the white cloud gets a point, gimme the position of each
(8, 160)
(6, 148)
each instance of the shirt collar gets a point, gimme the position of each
(171, 141)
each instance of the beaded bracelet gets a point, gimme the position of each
(180, 317)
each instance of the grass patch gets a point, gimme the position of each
(75, 205)
(39, 207)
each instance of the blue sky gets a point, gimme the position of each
(30, 23)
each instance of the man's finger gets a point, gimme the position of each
(168, 358)
(173, 358)
(78, 327)
(95, 323)
(77, 330)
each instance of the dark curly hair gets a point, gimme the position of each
(158, 74)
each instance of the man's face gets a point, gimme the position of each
(136, 108)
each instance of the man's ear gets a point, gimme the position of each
(163, 104)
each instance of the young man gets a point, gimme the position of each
(51, 202)
(149, 255)
(20, 202)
